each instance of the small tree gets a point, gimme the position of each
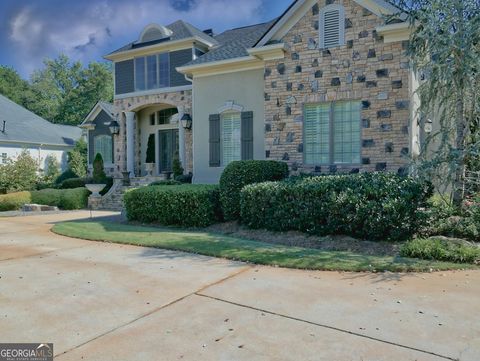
(20, 174)
(177, 168)
(444, 49)
(150, 149)
(99, 175)
(52, 169)
(77, 158)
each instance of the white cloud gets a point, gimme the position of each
(88, 30)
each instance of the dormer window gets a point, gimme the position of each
(332, 26)
(154, 32)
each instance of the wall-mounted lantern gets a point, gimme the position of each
(186, 121)
(114, 127)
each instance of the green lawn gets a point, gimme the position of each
(244, 250)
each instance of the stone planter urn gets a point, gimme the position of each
(95, 189)
(126, 178)
(149, 167)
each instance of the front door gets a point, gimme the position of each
(168, 147)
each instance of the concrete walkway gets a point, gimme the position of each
(98, 301)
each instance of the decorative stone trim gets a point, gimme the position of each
(230, 106)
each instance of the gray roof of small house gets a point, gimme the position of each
(180, 30)
(23, 126)
(234, 43)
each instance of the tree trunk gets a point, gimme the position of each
(461, 128)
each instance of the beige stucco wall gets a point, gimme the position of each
(210, 93)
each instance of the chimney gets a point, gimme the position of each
(208, 32)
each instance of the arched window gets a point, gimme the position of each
(103, 145)
(230, 136)
(332, 26)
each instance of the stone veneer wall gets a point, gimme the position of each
(181, 99)
(364, 69)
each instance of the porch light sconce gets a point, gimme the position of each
(114, 127)
(186, 121)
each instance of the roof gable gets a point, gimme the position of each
(300, 7)
(23, 126)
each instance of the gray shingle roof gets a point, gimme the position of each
(26, 127)
(180, 30)
(233, 43)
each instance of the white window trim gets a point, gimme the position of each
(341, 24)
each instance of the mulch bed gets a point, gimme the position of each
(299, 239)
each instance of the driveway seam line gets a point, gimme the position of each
(244, 269)
(326, 326)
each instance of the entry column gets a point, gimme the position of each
(130, 130)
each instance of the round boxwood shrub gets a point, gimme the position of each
(238, 174)
(73, 183)
(375, 206)
(180, 205)
(66, 175)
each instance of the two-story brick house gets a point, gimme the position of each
(324, 87)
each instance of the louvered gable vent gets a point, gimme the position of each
(332, 25)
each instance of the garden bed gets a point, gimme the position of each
(247, 250)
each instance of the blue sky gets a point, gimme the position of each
(85, 30)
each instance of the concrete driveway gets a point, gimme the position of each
(98, 301)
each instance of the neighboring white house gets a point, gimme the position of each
(21, 129)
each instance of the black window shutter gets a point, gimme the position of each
(214, 140)
(247, 135)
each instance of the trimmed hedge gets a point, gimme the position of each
(73, 183)
(62, 198)
(375, 206)
(165, 182)
(14, 201)
(238, 174)
(180, 205)
(76, 198)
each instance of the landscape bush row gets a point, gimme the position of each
(374, 206)
(75, 198)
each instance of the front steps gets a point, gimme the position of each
(113, 199)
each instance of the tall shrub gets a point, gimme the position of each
(77, 158)
(240, 173)
(99, 175)
(52, 169)
(150, 158)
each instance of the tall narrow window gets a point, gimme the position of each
(103, 145)
(332, 26)
(317, 133)
(152, 79)
(231, 137)
(139, 74)
(332, 133)
(164, 70)
(346, 132)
